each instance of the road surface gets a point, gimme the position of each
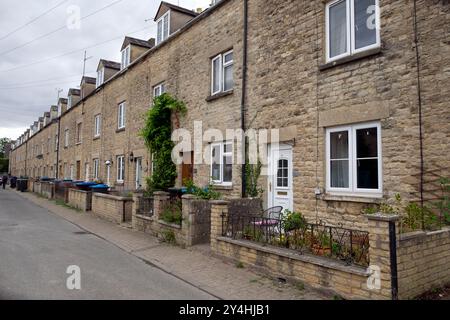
(37, 247)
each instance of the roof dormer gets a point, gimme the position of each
(105, 70)
(73, 97)
(132, 48)
(62, 106)
(87, 86)
(170, 18)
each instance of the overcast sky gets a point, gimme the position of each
(31, 74)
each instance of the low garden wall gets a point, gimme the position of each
(397, 266)
(423, 262)
(48, 189)
(195, 218)
(112, 208)
(36, 187)
(80, 199)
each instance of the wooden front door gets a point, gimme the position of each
(187, 171)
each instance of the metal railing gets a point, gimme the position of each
(146, 206)
(348, 245)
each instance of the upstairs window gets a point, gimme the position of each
(66, 138)
(125, 58)
(352, 26)
(354, 160)
(69, 102)
(79, 132)
(121, 116)
(159, 90)
(100, 77)
(222, 73)
(163, 24)
(222, 163)
(97, 125)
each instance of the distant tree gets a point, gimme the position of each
(3, 143)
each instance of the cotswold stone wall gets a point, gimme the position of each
(423, 262)
(112, 208)
(80, 199)
(287, 85)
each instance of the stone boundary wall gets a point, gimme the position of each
(423, 262)
(195, 226)
(80, 199)
(48, 190)
(112, 208)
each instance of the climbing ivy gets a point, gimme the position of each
(157, 136)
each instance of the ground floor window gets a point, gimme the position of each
(120, 168)
(354, 159)
(96, 168)
(222, 163)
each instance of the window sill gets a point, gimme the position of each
(222, 187)
(120, 130)
(78, 143)
(96, 138)
(375, 199)
(351, 58)
(219, 95)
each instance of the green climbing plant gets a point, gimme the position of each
(157, 134)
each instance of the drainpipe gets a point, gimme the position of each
(243, 94)
(26, 156)
(419, 94)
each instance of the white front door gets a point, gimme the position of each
(280, 177)
(138, 173)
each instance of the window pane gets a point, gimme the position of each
(216, 75)
(367, 143)
(367, 173)
(228, 78)
(215, 163)
(339, 174)
(228, 57)
(338, 29)
(365, 23)
(227, 148)
(166, 27)
(227, 168)
(159, 35)
(339, 145)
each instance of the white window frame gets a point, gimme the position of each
(69, 102)
(164, 36)
(222, 66)
(353, 189)
(79, 132)
(121, 115)
(97, 125)
(126, 57)
(66, 138)
(350, 30)
(100, 77)
(120, 169)
(96, 168)
(159, 90)
(222, 154)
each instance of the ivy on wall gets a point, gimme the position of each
(157, 134)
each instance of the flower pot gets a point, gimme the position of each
(320, 250)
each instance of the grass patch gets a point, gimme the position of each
(300, 286)
(239, 265)
(62, 203)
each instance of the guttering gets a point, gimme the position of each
(419, 95)
(243, 95)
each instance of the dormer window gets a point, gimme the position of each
(69, 102)
(163, 27)
(125, 58)
(100, 77)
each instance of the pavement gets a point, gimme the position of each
(39, 239)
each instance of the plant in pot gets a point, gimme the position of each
(294, 226)
(322, 245)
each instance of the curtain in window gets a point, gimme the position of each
(338, 29)
(339, 157)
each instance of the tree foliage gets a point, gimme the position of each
(157, 134)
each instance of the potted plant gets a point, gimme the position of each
(322, 245)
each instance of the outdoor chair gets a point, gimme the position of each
(269, 217)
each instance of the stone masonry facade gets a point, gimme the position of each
(289, 86)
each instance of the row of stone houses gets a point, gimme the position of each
(358, 90)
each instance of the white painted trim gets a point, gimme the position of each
(219, 57)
